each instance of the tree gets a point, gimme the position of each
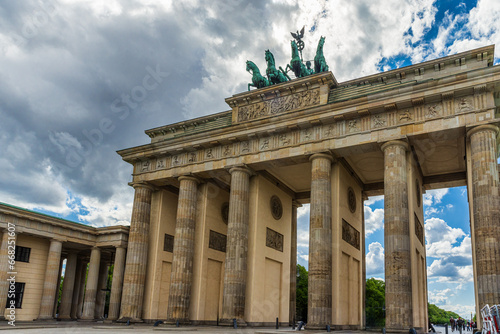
(302, 283)
(375, 303)
(440, 316)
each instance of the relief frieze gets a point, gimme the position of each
(350, 235)
(217, 241)
(274, 240)
(279, 105)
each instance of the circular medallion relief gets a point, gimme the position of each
(276, 207)
(351, 199)
(224, 211)
(419, 193)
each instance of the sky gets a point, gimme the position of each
(83, 79)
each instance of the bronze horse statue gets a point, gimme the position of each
(275, 76)
(319, 60)
(258, 81)
(296, 64)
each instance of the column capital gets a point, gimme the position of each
(487, 127)
(142, 184)
(296, 204)
(323, 155)
(190, 178)
(241, 168)
(389, 143)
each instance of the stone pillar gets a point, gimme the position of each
(117, 283)
(68, 287)
(181, 278)
(4, 268)
(59, 281)
(235, 274)
(51, 279)
(76, 288)
(91, 288)
(137, 255)
(293, 265)
(100, 301)
(81, 294)
(319, 313)
(486, 211)
(398, 288)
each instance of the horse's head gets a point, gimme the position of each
(321, 42)
(252, 68)
(269, 57)
(295, 49)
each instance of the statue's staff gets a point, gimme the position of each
(300, 43)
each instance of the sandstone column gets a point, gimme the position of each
(293, 265)
(319, 312)
(181, 278)
(59, 281)
(100, 299)
(398, 290)
(4, 268)
(486, 211)
(117, 283)
(50, 285)
(91, 288)
(233, 300)
(137, 255)
(77, 287)
(68, 287)
(81, 294)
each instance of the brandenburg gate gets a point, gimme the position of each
(213, 233)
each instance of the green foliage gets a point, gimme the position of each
(302, 283)
(440, 316)
(375, 303)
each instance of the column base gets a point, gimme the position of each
(230, 323)
(397, 330)
(316, 326)
(132, 320)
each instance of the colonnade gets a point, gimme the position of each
(79, 298)
(399, 312)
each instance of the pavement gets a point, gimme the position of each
(58, 327)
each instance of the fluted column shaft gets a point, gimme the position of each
(76, 288)
(117, 283)
(320, 243)
(101, 293)
(137, 255)
(398, 291)
(486, 211)
(81, 294)
(293, 265)
(4, 267)
(91, 287)
(51, 280)
(233, 300)
(68, 287)
(181, 278)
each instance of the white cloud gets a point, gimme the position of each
(303, 211)
(375, 259)
(434, 196)
(372, 200)
(374, 220)
(440, 296)
(437, 230)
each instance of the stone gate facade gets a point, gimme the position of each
(213, 232)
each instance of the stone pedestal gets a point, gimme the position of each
(181, 278)
(293, 266)
(398, 288)
(137, 255)
(233, 300)
(117, 283)
(319, 312)
(68, 286)
(486, 212)
(50, 285)
(91, 287)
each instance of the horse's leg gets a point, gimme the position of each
(250, 85)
